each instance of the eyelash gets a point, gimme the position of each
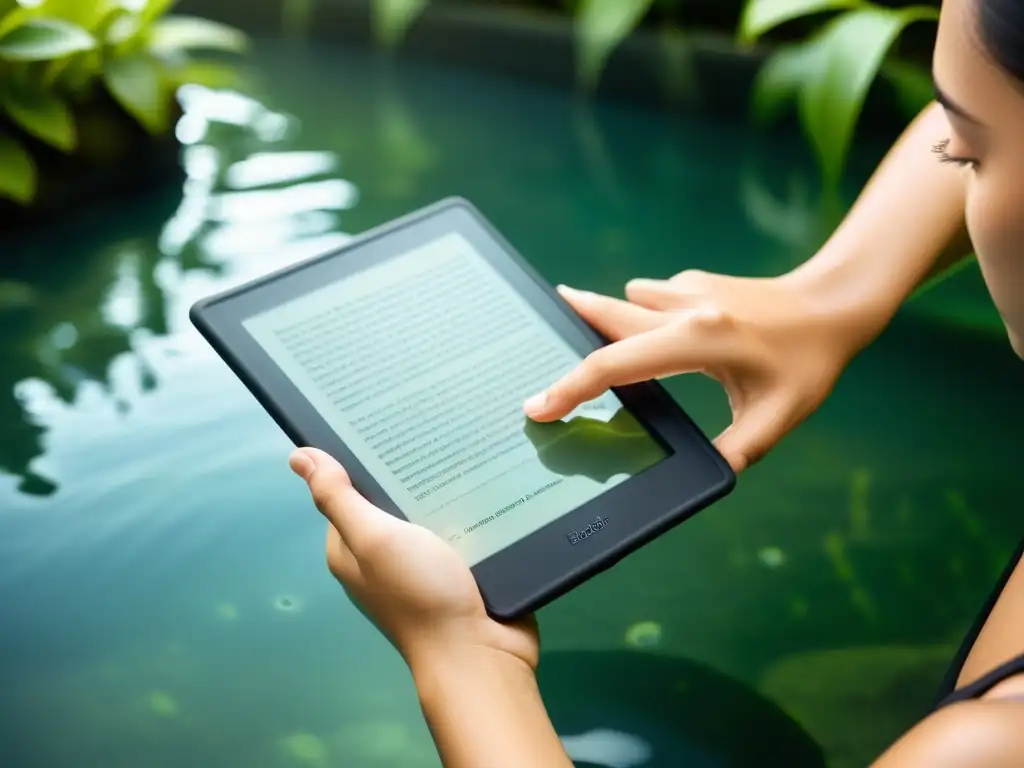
(944, 157)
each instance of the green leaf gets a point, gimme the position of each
(94, 16)
(853, 47)
(136, 84)
(392, 18)
(183, 33)
(759, 16)
(153, 9)
(122, 29)
(43, 40)
(43, 115)
(212, 74)
(779, 79)
(601, 25)
(912, 85)
(965, 261)
(17, 172)
(88, 14)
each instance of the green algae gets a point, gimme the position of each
(162, 704)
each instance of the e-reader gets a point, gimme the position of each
(408, 354)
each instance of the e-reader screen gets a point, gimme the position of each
(421, 363)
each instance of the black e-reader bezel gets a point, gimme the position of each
(549, 562)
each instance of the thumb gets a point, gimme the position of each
(754, 432)
(348, 511)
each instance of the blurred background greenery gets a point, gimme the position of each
(57, 56)
(825, 54)
(165, 601)
(74, 67)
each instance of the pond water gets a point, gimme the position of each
(163, 597)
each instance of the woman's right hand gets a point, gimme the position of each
(777, 355)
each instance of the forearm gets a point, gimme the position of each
(907, 225)
(484, 708)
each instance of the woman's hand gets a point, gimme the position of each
(475, 677)
(775, 352)
(408, 581)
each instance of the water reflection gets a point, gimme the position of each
(250, 200)
(599, 449)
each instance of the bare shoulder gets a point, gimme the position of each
(984, 733)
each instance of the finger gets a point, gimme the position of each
(670, 349)
(340, 560)
(613, 318)
(660, 295)
(355, 518)
(755, 431)
(694, 279)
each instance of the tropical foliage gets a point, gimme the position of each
(58, 55)
(827, 73)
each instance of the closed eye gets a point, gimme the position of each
(941, 150)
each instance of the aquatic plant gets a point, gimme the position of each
(162, 704)
(771, 557)
(644, 634)
(62, 61)
(860, 515)
(305, 749)
(836, 551)
(384, 743)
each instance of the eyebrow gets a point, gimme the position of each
(951, 106)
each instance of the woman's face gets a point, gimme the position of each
(985, 108)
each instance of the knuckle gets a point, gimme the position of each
(714, 318)
(692, 277)
(595, 369)
(322, 493)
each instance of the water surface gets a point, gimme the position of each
(163, 598)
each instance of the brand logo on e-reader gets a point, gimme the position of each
(575, 537)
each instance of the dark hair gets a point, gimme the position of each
(1001, 24)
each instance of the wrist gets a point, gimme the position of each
(437, 671)
(483, 707)
(850, 297)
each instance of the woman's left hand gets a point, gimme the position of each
(406, 579)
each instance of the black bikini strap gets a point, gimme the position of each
(986, 682)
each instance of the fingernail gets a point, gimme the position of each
(301, 464)
(570, 293)
(536, 403)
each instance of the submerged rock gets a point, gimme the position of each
(857, 701)
(674, 711)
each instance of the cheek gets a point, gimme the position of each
(995, 219)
